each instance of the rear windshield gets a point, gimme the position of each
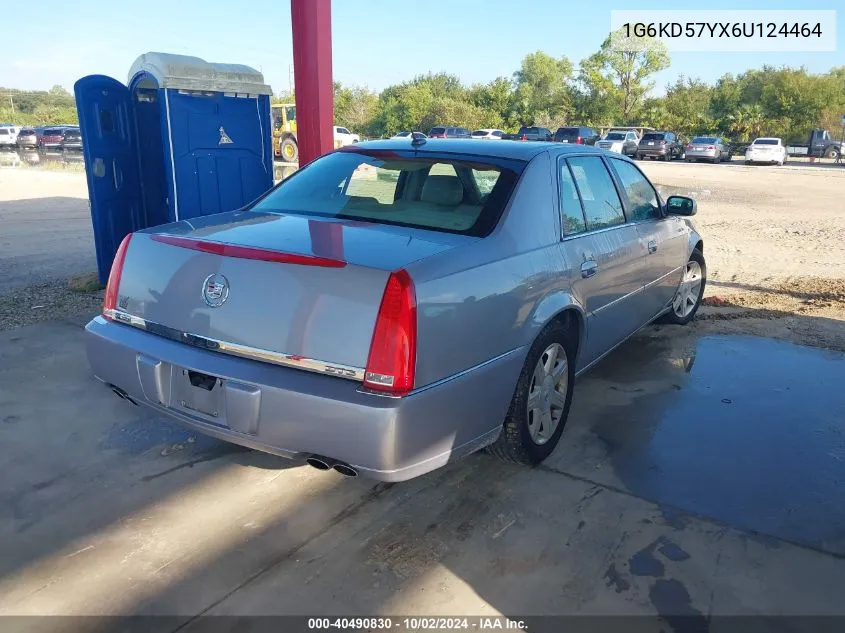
(438, 130)
(404, 134)
(654, 137)
(567, 131)
(27, 132)
(4, 131)
(766, 141)
(529, 130)
(453, 195)
(704, 139)
(52, 130)
(615, 136)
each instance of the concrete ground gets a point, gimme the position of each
(693, 479)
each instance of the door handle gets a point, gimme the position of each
(652, 247)
(589, 268)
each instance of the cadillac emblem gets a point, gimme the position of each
(215, 290)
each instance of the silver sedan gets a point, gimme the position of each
(710, 148)
(396, 305)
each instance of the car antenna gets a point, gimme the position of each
(417, 138)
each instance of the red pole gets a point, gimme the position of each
(311, 21)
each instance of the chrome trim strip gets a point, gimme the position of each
(615, 227)
(661, 278)
(236, 349)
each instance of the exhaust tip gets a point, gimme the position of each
(318, 463)
(346, 470)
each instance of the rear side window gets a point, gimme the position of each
(642, 199)
(571, 213)
(440, 194)
(4, 131)
(602, 206)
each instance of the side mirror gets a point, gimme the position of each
(681, 205)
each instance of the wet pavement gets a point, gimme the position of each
(746, 430)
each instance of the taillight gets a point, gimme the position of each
(579, 141)
(523, 138)
(689, 146)
(110, 297)
(711, 147)
(393, 350)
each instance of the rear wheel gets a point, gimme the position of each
(690, 291)
(832, 152)
(665, 157)
(716, 159)
(540, 404)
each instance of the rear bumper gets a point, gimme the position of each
(291, 412)
(653, 151)
(707, 153)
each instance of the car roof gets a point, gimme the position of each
(519, 150)
(767, 138)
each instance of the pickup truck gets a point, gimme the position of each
(819, 144)
(530, 134)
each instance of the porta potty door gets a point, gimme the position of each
(110, 153)
(220, 149)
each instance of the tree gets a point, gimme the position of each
(354, 107)
(620, 74)
(687, 107)
(543, 85)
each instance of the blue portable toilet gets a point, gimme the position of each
(185, 138)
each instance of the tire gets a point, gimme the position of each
(748, 162)
(637, 156)
(665, 158)
(688, 160)
(515, 443)
(832, 153)
(289, 150)
(676, 316)
(716, 160)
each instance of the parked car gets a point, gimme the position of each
(766, 150)
(532, 133)
(408, 135)
(580, 135)
(27, 138)
(488, 134)
(72, 140)
(660, 145)
(343, 137)
(449, 132)
(51, 138)
(619, 141)
(8, 135)
(709, 148)
(443, 326)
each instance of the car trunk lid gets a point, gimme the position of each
(280, 288)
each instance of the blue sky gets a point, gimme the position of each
(375, 42)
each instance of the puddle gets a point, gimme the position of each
(747, 430)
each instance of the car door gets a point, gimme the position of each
(664, 236)
(604, 252)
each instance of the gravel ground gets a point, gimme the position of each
(774, 242)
